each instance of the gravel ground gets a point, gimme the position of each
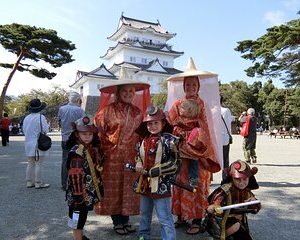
(41, 214)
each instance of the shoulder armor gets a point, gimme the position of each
(170, 137)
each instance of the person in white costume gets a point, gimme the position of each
(32, 127)
(201, 139)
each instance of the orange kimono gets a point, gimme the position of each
(185, 204)
(117, 123)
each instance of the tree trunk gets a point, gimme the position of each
(5, 87)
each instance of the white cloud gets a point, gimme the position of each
(274, 17)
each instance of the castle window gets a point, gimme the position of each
(132, 59)
(165, 63)
(144, 60)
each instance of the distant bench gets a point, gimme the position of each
(284, 134)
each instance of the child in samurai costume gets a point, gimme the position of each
(84, 186)
(157, 161)
(232, 224)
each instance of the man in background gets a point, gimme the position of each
(67, 114)
(226, 135)
(249, 122)
(4, 125)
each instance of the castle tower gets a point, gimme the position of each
(141, 48)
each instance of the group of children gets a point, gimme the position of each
(157, 161)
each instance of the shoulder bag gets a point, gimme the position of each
(44, 141)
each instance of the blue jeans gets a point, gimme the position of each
(163, 212)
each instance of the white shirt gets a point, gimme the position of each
(228, 119)
(31, 130)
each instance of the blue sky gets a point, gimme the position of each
(208, 31)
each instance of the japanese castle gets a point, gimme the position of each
(141, 48)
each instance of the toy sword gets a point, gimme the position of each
(238, 205)
(172, 181)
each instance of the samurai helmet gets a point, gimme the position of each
(153, 113)
(85, 125)
(241, 169)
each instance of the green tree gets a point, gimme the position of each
(236, 96)
(275, 54)
(160, 99)
(273, 102)
(33, 44)
(293, 100)
(54, 98)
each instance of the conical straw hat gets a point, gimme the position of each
(191, 70)
(124, 80)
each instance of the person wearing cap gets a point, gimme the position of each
(32, 125)
(67, 114)
(249, 125)
(84, 187)
(158, 156)
(237, 188)
(200, 140)
(121, 108)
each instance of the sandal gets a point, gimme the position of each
(129, 228)
(120, 229)
(194, 229)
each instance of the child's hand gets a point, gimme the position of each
(250, 199)
(139, 167)
(211, 208)
(256, 207)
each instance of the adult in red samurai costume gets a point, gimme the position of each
(201, 139)
(121, 110)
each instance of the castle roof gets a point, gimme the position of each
(139, 25)
(154, 66)
(100, 72)
(144, 46)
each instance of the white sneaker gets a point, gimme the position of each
(41, 185)
(29, 184)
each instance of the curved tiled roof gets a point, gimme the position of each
(141, 25)
(146, 46)
(94, 73)
(145, 67)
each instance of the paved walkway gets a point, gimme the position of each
(41, 214)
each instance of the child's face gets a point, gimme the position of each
(86, 137)
(127, 94)
(155, 127)
(241, 183)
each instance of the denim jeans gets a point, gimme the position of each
(163, 211)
